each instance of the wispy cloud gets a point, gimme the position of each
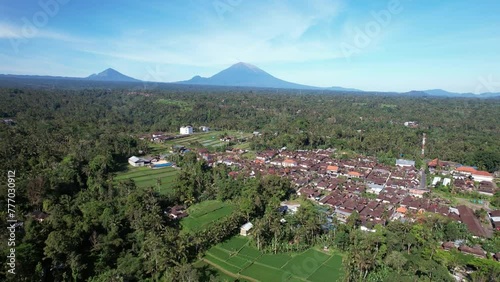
(8, 31)
(274, 32)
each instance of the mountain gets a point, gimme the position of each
(243, 74)
(444, 93)
(338, 88)
(111, 75)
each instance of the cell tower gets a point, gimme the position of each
(423, 146)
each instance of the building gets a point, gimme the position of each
(135, 161)
(467, 216)
(405, 163)
(204, 129)
(289, 163)
(245, 229)
(186, 130)
(495, 219)
(477, 252)
(479, 175)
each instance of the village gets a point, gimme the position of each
(378, 192)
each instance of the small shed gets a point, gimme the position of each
(245, 229)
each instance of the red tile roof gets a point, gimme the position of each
(466, 169)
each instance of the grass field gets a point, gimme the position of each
(204, 214)
(145, 177)
(239, 259)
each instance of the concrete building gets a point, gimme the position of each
(245, 229)
(186, 130)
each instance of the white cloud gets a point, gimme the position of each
(253, 33)
(8, 31)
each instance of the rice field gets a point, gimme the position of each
(241, 260)
(205, 213)
(162, 179)
(210, 139)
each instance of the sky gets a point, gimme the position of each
(383, 45)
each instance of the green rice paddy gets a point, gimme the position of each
(205, 213)
(241, 260)
(162, 179)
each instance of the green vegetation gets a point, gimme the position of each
(240, 258)
(161, 180)
(182, 105)
(211, 140)
(104, 223)
(204, 214)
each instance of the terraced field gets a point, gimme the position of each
(241, 260)
(145, 177)
(210, 139)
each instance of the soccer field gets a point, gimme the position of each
(243, 261)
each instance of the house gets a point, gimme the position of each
(436, 180)
(245, 229)
(465, 170)
(39, 216)
(135, 161)
(412, 124)
(354, 174)
(495, 219)
(186, 130)
(291, 207)
(497, 256)
(467, 216)
(332, 169)
(486, 188)
(177, 212)
(289, 163)
(477, 252)
(405, 163)
(448, 246)
(204, 128)
(480, 175)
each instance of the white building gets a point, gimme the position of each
(446, 181)
(405, 163)
(245, 229)
(186, 130)
(135, 161)
(482, 176)
(204, 128)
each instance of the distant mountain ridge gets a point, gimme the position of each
(111, 75)
(444, 93)
(108, 74)
(246, 75)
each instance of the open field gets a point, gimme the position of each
(209, 139)
(204, 214)
(238, 258)
(146, 177)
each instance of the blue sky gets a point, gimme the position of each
(386, 45)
